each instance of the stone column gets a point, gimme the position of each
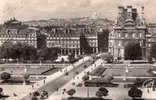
(96, 49)
(79, 52)
(61, 51)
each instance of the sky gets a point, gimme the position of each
(44, 9)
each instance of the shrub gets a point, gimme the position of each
(134, 92)
(5, 76)
(71, 92)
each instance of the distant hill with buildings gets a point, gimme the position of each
(101, 22)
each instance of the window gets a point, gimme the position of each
(126, 35)
(140, 35)
(134, 35)
(119, 35)
(120, 43)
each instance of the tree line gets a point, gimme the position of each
(24, 52)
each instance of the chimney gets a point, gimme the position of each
(134, 13)
(121, 9)
(129, 12)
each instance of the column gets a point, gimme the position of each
(79, 52)
(68, 51)
(61, 51)
(96, 49)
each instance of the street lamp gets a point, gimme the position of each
(126, 71)
(25, 72)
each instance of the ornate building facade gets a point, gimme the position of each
(130, 26)
(14, 31)
(150, 38)
(68, 39)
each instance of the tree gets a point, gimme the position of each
(48, 53)
(102, 92)
(153, 51)
(29, 52)
(133, 51)
(35, 95)
(42, 53)
(85, 78)
(6, 50)
(107, 57)
(99, 94)
(23, 51)
(1, 91)
(139, 82)
(71, 57)
(107, 78)
(135, 93)
(26, 77)
(71, 92)
(5, 76)
(18, 50)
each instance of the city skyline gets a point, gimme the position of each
(44, 9)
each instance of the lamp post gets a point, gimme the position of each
(25, 72)
(126, 71)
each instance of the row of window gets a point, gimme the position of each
(152, 40)
(17, 39)
(130, 35)
(64, 42)
(51, 44)
(63, 46)
(15, 36)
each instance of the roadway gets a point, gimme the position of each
(55, 84)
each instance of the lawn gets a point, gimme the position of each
(139, 70)
(31, 69)
(136, 72)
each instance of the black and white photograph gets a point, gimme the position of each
(77, 49)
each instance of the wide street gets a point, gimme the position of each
(54, 85)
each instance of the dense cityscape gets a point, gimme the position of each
(85, 58)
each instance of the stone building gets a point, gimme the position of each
(14, 31)
(150, 37)
(72, 38)
(130, 26)
(68, 39)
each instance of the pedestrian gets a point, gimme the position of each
(153, 88)
(148, 90)
(30, 94)
(44, 81)
(32, 86)
(15, 94)
(57, 89)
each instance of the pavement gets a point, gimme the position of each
(53, 82)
